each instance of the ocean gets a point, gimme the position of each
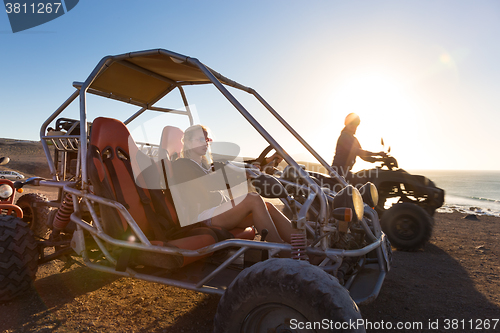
(472, 192)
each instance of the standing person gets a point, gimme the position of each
(202, 193)
(348, 148)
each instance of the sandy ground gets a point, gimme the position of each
(451, 285)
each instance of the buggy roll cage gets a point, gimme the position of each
(145, 77)
(199, 74)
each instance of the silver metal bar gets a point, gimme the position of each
(380, 256)
(366, 228)
(349, 282)
(308, 226)
(176, 251)
(83, 136)
(167, 110)
(298, 137)
(381, 259)
(346, 253)
(375, 220)
(78, 162)
(121, 209)
(186, 105)
(106, 253)
(135, 115)
(192, 83)
(85, 255)
(220, 245)
(64, 145)
(157, 279)
(145, 107)
(105, 62)
(222, 266)
(96, 220)
(43, 130)
(303, 209)
(54, 183)
(376, 291)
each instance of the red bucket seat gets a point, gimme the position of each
(112, 157)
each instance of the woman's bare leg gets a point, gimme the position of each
(281, 222)
(236, 216)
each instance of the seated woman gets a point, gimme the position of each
(210, 205)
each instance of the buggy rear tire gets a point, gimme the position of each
(35, 212)
(284, 295)
(18, 257)
(407, 226)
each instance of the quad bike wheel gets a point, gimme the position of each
(407, 226)
(18, 257)
(277, 295)
(35, 212)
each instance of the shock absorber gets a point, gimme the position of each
(298, 238)
(64, 212)
(299, 244)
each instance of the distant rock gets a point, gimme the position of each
(471, 217)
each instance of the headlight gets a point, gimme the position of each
(5, 191)
(369, 193)
(350, 197)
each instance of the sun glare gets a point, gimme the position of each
(385, 109)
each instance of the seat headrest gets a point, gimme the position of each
(171, 140)
(109, 132)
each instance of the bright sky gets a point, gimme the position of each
(424, 75)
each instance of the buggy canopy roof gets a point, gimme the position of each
(145, 77)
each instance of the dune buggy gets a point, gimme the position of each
(117, 210)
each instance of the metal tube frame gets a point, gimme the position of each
(219, 81)
(43, 130)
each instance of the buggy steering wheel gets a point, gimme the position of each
(262, 160)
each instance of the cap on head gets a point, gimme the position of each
(352, 119)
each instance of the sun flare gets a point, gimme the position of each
(384, 106)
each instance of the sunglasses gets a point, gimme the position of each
(202, 140)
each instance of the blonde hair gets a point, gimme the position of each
(189, 134)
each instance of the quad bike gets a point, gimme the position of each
(19, 249)
(119, 211)
(408, 223)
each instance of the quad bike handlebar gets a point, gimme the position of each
(387, 161)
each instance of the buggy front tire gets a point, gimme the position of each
(285, 295)
(407, 226)
(35, 212)
(18, 257)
